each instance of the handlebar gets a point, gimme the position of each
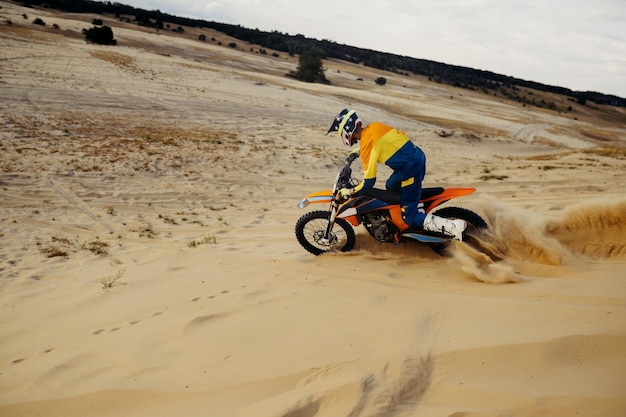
(350, 158)
(344, 178)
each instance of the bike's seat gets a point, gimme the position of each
(393, 197)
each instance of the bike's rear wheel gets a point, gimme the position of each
(310, 230)
(475, 224)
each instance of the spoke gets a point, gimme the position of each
(315, 231)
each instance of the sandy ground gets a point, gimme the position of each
(148, 263)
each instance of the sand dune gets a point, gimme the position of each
(148, 263)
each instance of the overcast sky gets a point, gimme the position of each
(577, 44)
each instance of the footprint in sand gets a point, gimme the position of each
(200, 321)
(259, 220)
(211, 297)
(114, 329)
(20, 360)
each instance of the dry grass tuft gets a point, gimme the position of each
(122, 61)
(610, 152)
(112, 280)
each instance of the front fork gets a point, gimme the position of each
(334, 206)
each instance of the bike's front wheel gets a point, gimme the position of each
(311, 228)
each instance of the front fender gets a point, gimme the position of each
(325, 196)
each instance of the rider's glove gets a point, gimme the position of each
(346, 192)
(353, 155)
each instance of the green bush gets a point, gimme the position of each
(310, 68)
(102, 35)
(381, 81)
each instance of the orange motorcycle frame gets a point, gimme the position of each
(431, 198)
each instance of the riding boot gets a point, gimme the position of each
(452, 228)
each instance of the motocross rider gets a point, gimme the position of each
(383, 144)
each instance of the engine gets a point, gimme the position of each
(379, 226)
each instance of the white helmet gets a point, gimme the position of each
(345, 124)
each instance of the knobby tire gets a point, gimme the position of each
(311, 227)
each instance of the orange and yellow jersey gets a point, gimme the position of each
(382, 144)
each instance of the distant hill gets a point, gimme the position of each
(463, 77)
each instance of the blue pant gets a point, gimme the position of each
(408, 180)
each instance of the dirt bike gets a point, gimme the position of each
(378, 210)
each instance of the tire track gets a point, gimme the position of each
(79, 204)
(528, 133)
(68, 196)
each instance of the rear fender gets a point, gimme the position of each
(447, 194)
